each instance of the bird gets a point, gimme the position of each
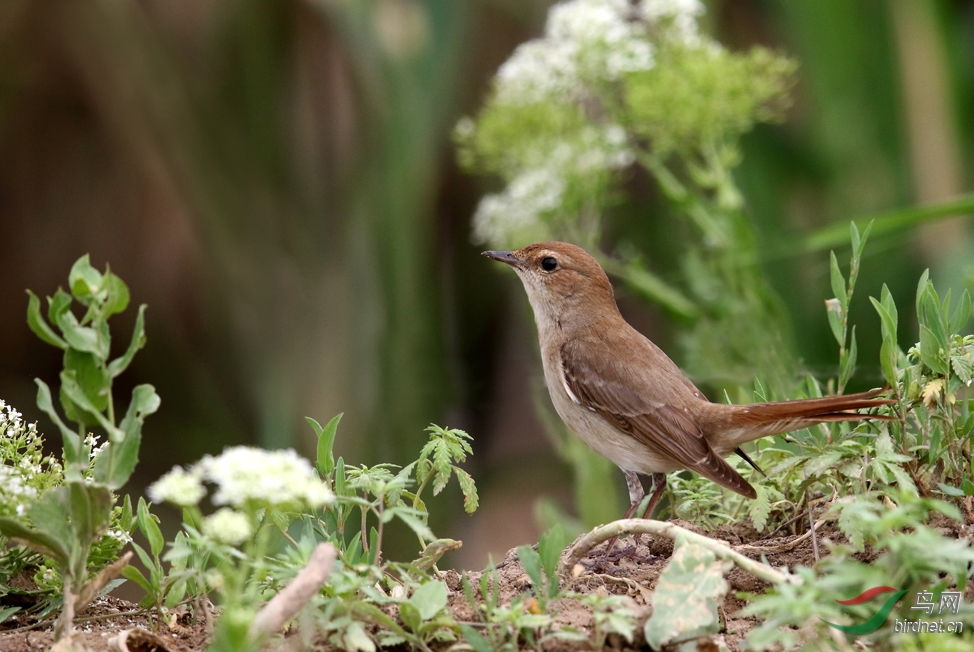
(627, 400)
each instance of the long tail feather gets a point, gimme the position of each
(829, 408)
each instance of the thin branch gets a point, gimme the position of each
(295, 595)
(585, 543)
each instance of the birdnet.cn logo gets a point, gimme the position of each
(948, 604)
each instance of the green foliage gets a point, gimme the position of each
(696, 97)
(911, 556)
(541, 565)
(686, 596)
(611, 614)
(67, 522)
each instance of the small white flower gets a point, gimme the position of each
(119, 535)
(179, 487)
(227, 526)
(244, 474)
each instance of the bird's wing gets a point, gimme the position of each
(622, 395)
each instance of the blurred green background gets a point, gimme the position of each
(276, 179)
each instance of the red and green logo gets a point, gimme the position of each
(872, 624)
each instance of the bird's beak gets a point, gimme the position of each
(505, 257)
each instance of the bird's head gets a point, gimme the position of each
(564, 283)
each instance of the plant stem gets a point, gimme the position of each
(585, 543)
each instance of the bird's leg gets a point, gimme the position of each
(659, 486)
(636, 494)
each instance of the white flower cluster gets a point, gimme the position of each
(22, 473)
(245, 475)
(227, 526)
(593, 40)
(179, 487)
(517, 214)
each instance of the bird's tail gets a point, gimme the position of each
(744, 423)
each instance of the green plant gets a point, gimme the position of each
(541, 565)
(611, 614)
(910, 555)
(381, 491)
(66, 522)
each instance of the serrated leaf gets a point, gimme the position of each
(686, 596)
(760, 508)
(962, 367)
(470, 499)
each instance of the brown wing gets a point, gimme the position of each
(621, 394)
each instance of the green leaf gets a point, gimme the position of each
(91, 509)
(83, 338)
(72, 390)
(833, 311)
(950, 491)
(149, 528)
(415, 524)
(848, 363)
(7, 613)
(470, 499)
(42, 542)
(887, 360)
(931, 353)
(760, 507)
(476, 640)
(838, 282)
(531, 562)
(71, 440)
(550, 547)
(133, 574)
(120, 364)
(84, 280)
(116, 295)
(326, 443)
(686, 596)
(962, 313)
(429, 599)
(40, 327)
(89, 376)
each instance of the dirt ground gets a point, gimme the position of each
(634, 575)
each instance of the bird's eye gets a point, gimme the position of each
(549, 264)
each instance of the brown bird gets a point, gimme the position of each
(626, 399)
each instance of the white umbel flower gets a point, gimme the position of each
(227, 526)
(244, 474)
(180, 487)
